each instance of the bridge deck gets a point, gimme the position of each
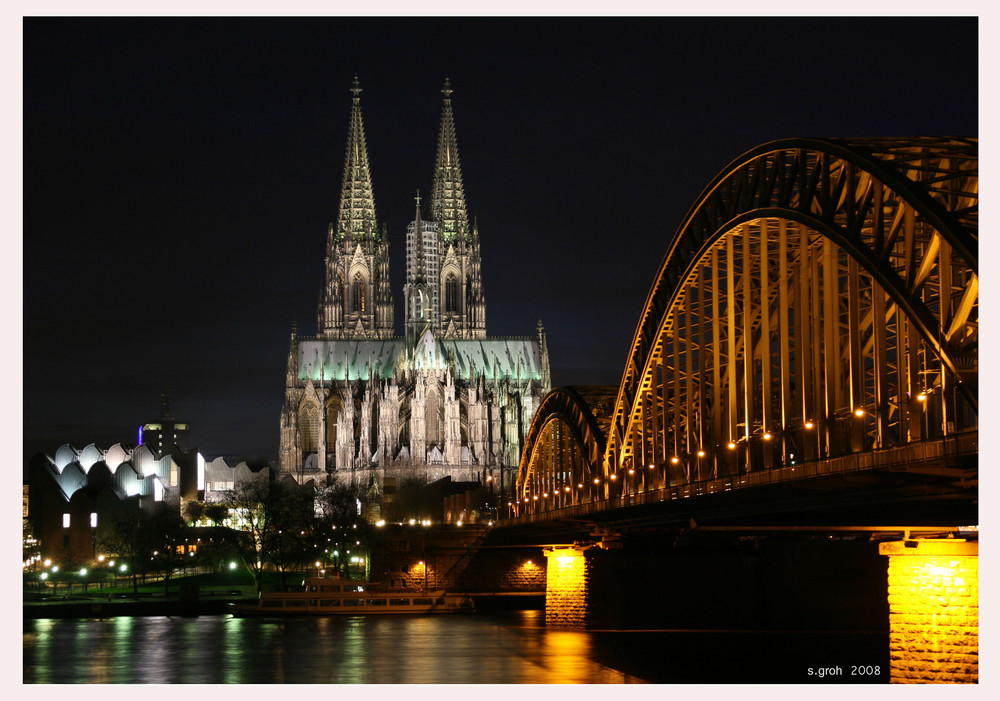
(918, 484)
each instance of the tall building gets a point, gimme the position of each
(443, 399)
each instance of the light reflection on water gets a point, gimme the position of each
(509, 649)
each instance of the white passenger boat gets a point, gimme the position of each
(347, 597)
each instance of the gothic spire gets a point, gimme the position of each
(357, 199)
(291, 368)
(420, 274)
(448, 194)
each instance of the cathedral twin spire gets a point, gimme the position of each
(357, 199)
(356, 300)
(447, 194)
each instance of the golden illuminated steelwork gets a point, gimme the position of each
(814, 278)
(819, 299)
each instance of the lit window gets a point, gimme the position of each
(93, 520)
(65, 520)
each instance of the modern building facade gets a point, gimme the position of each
(441, 400)
(74, 492)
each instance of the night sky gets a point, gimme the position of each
(179, 176)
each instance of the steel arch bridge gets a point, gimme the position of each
(820, 299)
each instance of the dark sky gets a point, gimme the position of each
(179, 177)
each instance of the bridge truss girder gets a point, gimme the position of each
(820, 298)
(565, 446)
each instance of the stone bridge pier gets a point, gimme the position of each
(933, 610)
(923, 593)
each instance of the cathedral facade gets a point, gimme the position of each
(441, 400)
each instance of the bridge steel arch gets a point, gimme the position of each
(565, 447)
(820, 298)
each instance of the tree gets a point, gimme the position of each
(216, 513)
(254, 515)
(193, 511)
(340, 524)
(292, 522)
(164, 529)
(122, 536)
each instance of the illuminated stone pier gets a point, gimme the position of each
(566, 587)
(933, 611)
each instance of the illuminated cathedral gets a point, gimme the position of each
(442, 400)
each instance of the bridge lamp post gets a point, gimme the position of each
(674, 460)
(810, 447)
(593, 493)
(701, 454)
(925, 422)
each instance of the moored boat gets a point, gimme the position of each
(345, 597)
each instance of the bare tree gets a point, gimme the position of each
(339, 523)
(164, 528)
(123, 537)
(253, 513)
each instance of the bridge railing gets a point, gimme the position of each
(922, 455)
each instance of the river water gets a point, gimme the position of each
(504, 648)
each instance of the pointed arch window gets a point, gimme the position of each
(451, 293)
(309, 427)
(358, 293)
